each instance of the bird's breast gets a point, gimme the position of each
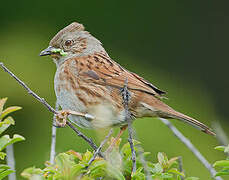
(74, 93)
(66, 87)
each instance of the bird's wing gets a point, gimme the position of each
(102, 70)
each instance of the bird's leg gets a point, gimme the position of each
(115, 140)
(61, 116)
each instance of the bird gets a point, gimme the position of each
(88, 81)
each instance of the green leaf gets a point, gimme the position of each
(63, 161)
(99, 172)
(157, 168)
(172, 162)
(98, 168)
(222, 163)
(6, 140)
(162, 159)
(87, 156)
(222, 172)
(114, 173)
(115, 159)
(226, 150)
(2, 102)
(77, 155)
(5, 173)
(192, 178)
(220, 148)
(126, 151)
(29, 172)
(146, 154)
(86, 178)
(98, 164)
(2, 155)
(138, 175)
(166, 176)
(37, 177)
(5, 124)
(77, 169)
(9, 110)
(4, 166)
(175, 171)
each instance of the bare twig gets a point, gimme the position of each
(126, 98)
(100, 147)
(191, 147)
(142, 160)
(53, 140)
(80, 134)
(180, 164)
(130, 140)
(43, 101)
(11, 161)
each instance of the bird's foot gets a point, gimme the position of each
(61, 118)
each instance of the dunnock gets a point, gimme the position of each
(87, 80)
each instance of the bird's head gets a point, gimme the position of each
(72, 41)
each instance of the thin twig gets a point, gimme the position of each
(126, 97)
(180, 164)
(100, 147)
(53, 140)
(191, 147)
(142, 160)
(43, 101)
(11, 161)
(88, 140)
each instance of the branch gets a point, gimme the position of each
(89, 140)
(126, 98)
(53, 140)
(43, 101)
(180, 164)
(144, 163)
(11, 161)
(191, 147)
(100, 147)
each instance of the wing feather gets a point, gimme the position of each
(107, 72)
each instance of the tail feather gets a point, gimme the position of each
(159, 108)
(177, 115)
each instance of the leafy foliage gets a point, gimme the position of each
(5, 122)
(223, 164)
(118, 165)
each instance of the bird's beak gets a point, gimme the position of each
(47, 51)
(51, 50)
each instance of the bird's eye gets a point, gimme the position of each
(68, 43)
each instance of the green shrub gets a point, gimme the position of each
(118, 164)
(223, 164)
(5, 140)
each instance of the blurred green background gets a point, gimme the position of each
(180, 46)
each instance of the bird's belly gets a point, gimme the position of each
(104, 112)
(69, 101)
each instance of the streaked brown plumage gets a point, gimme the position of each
(89, 81)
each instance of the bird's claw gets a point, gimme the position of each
(61, 118)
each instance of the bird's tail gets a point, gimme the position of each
(177, 115)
